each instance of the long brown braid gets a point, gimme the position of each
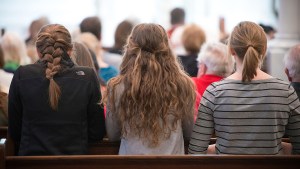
(52, 42)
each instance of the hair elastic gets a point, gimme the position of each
(250, 46)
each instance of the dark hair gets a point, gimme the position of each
(34, 29)
(52, 43)
(267, 28)
(177, 16)
(92, 25)
(122, 32)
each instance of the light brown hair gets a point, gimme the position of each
(82, 56)
(52, 43)
(193, 38)
(155, 87)
(249, 42)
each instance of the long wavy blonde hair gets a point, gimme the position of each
(155, 87)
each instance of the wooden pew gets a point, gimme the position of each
(3, 132)
(147, 162)
(104, 147)
(107, 147)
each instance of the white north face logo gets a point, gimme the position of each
(80, 73)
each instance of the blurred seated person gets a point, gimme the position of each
(269, 31)
(192, 39)
(223, 34)
(292, 67)
(177, 18)
(176, 41)
(106, 71)
(121, 34)
(114, 55)
(214, 64)
(82, 56)
(5, 77)
(14, 50)
(34, 29)
(92, 25)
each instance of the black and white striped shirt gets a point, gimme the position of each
(248, 118)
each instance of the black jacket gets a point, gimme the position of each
(190, 64)
(37, 129)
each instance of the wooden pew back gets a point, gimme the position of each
(147, 161)
(3, 132)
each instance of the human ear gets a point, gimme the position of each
(201, 70)
(39, 54)
(232, 52)
(70, 52)
(287, 74)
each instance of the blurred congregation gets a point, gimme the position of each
(155, 82)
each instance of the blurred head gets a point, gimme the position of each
(36, 25)
(34, 29)
(269, 30)
(192, 38)
(53, 44)
(248, 43)
(292, 63)
(177, 16)
(92, 25)
(82, 56)
(90, 41)
(214, 59)
(14, 48)
(121, 34)
(154, 86)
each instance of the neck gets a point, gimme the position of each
(296, 80)
(259, 75)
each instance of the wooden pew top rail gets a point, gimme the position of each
(153, 162)
(147, 161)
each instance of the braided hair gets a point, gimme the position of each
(52, 43)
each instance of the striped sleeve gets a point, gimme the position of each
(204, 125)
(293, 128)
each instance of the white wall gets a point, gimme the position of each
(16, 15)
